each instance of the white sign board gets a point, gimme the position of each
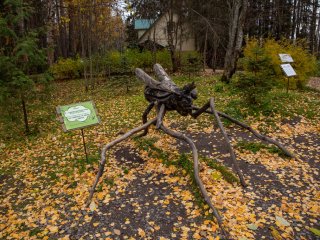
(286, 58)
(77, 113)
(288, 70)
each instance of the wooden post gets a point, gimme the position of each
(84, 145)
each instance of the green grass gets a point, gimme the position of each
(227, 175)
(257, 146)
(42, 116)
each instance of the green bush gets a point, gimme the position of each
(191, 62)
(164, 58)
(259, 76)
(317, 73)
(122, 62)
(113, 60)
(67, 68)
(128, 60)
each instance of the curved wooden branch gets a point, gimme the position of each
(161, 113)
(145, 118)
(235, 165)
(201, 110)
(258, 135)
(162, 74)
(150, 82)
(108, 146)
(196, 172)
(247, 127)
(164, 78)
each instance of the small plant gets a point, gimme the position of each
(67, 68)
(226, 174)
(109, 181)
(219, 87)
(190, 62)
(125, 171)
(251, 146)
(256, 147)
(258, 78)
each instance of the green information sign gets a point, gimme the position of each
(78, 115)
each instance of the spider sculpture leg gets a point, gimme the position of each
(235, 165)
(225, 135)
(145, 118)
(160, 115)
(203, 190)
(159, 125)
(108, 146)
(258, 135)
(262, 137)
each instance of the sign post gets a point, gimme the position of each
(78, 116)
(287, 68)
(84, 145)
(288, 71)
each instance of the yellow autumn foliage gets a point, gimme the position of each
(304, 63)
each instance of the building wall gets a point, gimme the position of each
(140, 33)
(158, 33)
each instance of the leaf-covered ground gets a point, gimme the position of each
(147, 190)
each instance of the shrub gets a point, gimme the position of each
(258, 77)
(317, 73)
(67, 68)
(113, 60)
(164, 58)
(191, 62)
(128, 60)
(304, 63)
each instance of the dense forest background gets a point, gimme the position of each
(83, 30)
(67, 28)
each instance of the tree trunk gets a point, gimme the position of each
(237, 18)
(25, 115)
(205, 50)
(154, 49)
(170, 33)
(313, 27)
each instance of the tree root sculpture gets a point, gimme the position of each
(166, 96)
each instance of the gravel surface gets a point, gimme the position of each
(314, 82)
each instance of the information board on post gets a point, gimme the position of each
(78, 115)
(286, 58)
(288, 70)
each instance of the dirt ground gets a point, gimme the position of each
(314, 83)
(153, 207)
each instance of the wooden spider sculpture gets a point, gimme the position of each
(165, 95)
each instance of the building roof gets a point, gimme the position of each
(141, 24)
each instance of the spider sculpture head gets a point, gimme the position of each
(166, 92)
(184, 101)
(181, 100)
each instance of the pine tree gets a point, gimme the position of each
(20, 55)
(258, 77)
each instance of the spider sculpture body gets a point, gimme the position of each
(165, 95)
